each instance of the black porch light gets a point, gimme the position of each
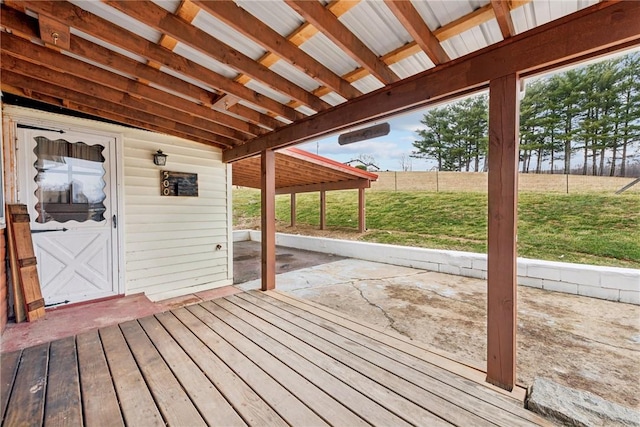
(159, 158)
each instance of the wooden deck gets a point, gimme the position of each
(255, 358)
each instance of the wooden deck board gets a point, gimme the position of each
(290, 408)
(205, 396)
(171, 399)
(234, 331)
(252, 409)
(99, 399)
(63, 404)
(134, 396)
(26, 404)
(8, 369)
(385, 388)
(257, 358)
(448, 385)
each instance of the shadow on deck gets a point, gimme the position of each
(247, 359)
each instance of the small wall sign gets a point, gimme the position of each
(178, 184)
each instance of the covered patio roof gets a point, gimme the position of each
(299, 171)
(254, 76)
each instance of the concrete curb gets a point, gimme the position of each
(608, 283)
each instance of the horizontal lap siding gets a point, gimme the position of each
(171, 241)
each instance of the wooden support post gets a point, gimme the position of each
(268, 229)
(323, 210)
(362, 218)
(293, 209)
(503, 201)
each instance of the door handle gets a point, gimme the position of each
(48, 231)
(115, 221)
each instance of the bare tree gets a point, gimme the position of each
(405, 162)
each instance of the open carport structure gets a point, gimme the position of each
(298, 171)
(232, 80)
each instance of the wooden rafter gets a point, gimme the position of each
(335, 30)
(415, 25)
(579, 34)
(106, 109)
(270, 40)
(111, 33)
(503, 16)
(156, 17)
(42, 57)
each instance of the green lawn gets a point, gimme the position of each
(587, 228)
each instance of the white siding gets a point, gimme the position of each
(169, 243)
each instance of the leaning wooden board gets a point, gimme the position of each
(19, 223)
(18, 299)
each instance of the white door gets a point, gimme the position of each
(68, 183)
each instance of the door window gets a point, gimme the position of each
(70, 181)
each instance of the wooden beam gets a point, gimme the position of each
(268, 229)
(503, 210)
(156, 17)
(586, 33)
(293, 209)
(107, 94)
(108, 110)
(323, 210)
(43, 57)
(503, 16)
(102, 29)
(239, 19)
(321, 18)
(362, 216)
(325, 186)
(418, 29)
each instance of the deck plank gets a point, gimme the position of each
(210, 402)
(26, 404)
(253, 410)
(279, 398)
(453, 387)
(514, 399)
(247, 339)
(134, 396)
(8, 369)
(357, 373)
(171, 399)
(63, 403)
(99, 399)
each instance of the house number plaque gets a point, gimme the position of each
(178, 184)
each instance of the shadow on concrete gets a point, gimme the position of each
(246, 260)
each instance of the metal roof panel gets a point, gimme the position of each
(221, 31)
(275, 13)
(376, 26)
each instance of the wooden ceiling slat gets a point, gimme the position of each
(97, 27)
(108, 110)
(569, 37)
(270, 40)
(418, 29)
(156, 17)
(339, 34)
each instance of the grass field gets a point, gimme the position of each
(589, 228)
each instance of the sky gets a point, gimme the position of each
(386, 150)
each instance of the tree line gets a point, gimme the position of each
(587, 117)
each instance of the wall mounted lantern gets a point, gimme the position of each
(159, 158)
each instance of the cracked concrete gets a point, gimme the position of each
(579, 342)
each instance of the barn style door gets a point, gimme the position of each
(68, 183)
